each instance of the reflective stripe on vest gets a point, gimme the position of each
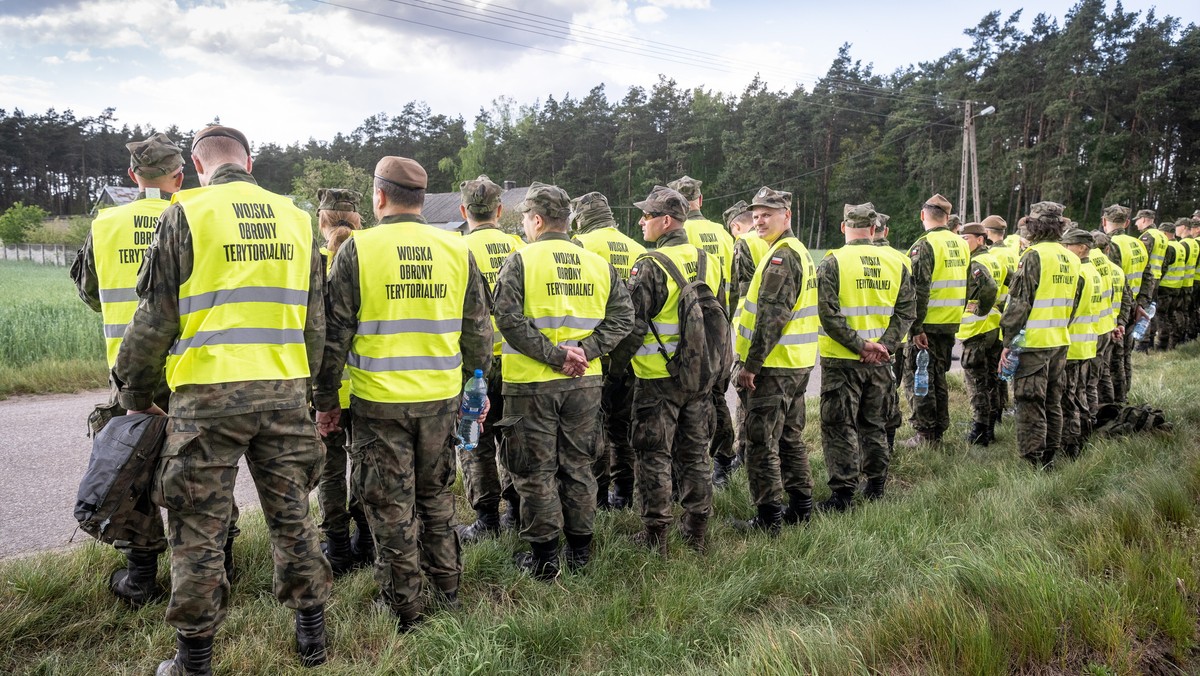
(243, 309)
(1192, 247)
(648, 362)
(1114, 289)
(1133, 260)
(412, 281)
(1054, 297)
(972, 324)
(491, 247)
(120, 236)
(566, 293)
(1176, 273)
(867, 310)
(899, 256)
(948, 285)
(797, 346)
(1083, 326)
(1158, 253)
(1008, 260)
(613, 246)
(715, 240)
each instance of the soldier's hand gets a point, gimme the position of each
(874, 353)
(1141, 312)
(1003, 360)
(745, 379)
(921, 341)
(576, 363)
(487, 406)
(1119, 333)
(328, 422)
(153, 410)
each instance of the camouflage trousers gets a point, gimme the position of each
(776, 456)
(671, 439)
(931, 413)
(615, 457)
(1127, 366)
(980, 361)
(1171, 318)
(548, 448)
(723, 437)
(1194, 317)
(856, 402)
(195, 482)
(334, 496)
(895, 415)
(1038, 391)
(484, 478)
(1100, 384)
(1113, 389)
(405, 469)
(1076, 411)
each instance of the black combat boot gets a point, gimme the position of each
(768, 520)
(799, 508)
(310, 636)
(193, 657)
(875, 487)
(511, 518)
(603, 502)
(444, 596)
(978, 436)
(891, 438)
(541, 562)
(230, 568)
(722, 468)
(653, 538)
(578, 551)
(694, 528)
(361, 544)
(621, 496)
(137, 583)
(487, 524)
(841, 500)
(339, 554)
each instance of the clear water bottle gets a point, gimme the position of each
(473, 400)
(921, 377)
(1008, 369)
(1143, 324)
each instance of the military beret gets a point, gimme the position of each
(666, 201)
(688, 187)
(218, 130)
(550, 201)
(995, 223)
(1099, 239)
(1046, 210)
(338, 199)
(1076, 236)
(973, 229)
(402, 172)
(881, 220)
(773, 199)
(1116, 214)
(591, 211)
(858, 215)
(481, 195)
(155, 157)
(939, 202)
(731, 214)
(1146, 213)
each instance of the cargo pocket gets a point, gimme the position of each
(174, 486)
(365, 475)
(511, 444)
(647, 433)
(762, 416)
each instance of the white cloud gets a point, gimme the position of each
(52, 60)
(79, 56)
(649, 14)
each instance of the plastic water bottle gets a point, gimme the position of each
(1009, 368)
(921, 377)
(1143, 324)
(473, 400)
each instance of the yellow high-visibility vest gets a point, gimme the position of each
(899, 256)
(1133, 260)
(1158, 253)
(1177, 272)
(972, 324)
(491, 248)
(412, 281)
(613, 246)
(948, 285)
(242, 310)
(797, 346)
(649, 362)
(1193, 253)
(1083, 328)
(1013, 242)
(869, 284)
(757, 245)
(1008, 260)
(1048, 322)
(566, 293)
(344, 388)
(120, 236)
(1113, 281)
(715, 240)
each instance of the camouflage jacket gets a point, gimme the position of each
(520, 332)
(155, 327)
(343, 301)
(648, 291)
(777, 296)
(1022, 291)
(981, 292)
(833, 322)
(743, 273)
(1149, 284)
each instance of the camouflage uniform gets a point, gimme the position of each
(211, 427)
(403, 452)
(1120, 362)
(895, 416)
(1166, 327)
(981, 354)
(742, 272)
(1102, 378)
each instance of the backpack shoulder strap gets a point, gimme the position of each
(669, 265)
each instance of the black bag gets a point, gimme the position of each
(1113, 420)
(704, 352)
(124, 456)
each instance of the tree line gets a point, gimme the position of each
(1102, 108)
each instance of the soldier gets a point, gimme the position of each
(408, 311)
(865, 304)
(1156, 246)
(953, 223)
(1041, 301)
(1191, 250)
(337, 216)
(999, 246)
(940, 264)
(980, 336)
(1131, 255)
(232, 306)
(1110, 328)
(596, 230)
(1166, 329)
(1083, 329)
(560, 308)
(776, 341)
(895, 415)
(484, 479)
(670, 425)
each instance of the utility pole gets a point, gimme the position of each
(970, 158)
(966, 152)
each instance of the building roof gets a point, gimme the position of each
(442, 207)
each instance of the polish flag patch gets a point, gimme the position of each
(633, 271)
(776, 260)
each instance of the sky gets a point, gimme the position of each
(284, 71)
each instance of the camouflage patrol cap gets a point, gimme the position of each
(1046, 210)
(547, 200)
(1146, 213)
(338, 199)
(953, 222)
(973, 229)
(773, 199)
(481, 195)
(666, 201)
(222, 131)
(1183, 222)
(1099, 239)
(155, 157)
(858, 215)
(591, 211)
(688, 187)
(1166, 226)
(995, 223)
(1116, 214)
(1076, 236)
(881, 220)
(938, 202)
(403, 172)
(732, 213)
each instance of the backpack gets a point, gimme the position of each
(704, 353)
(1114, 420)
(124, 455)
